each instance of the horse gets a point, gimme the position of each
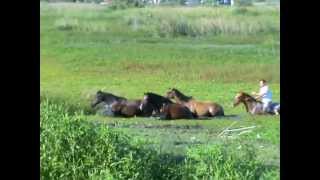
(165, 108)
(106, 98)
(254, 106)
(155, 101)
(175, 111)
(201, 109)
(120, 106)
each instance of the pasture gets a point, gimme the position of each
(210, 53)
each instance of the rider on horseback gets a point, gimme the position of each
(264, 94)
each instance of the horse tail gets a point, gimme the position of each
(221, 112)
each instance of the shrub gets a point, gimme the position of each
(73, 148)
(226, 161)
(66, 24)
(243, 2)
(123, 4)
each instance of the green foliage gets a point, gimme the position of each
(243, 2)
(72, 148)
(245, 11)
(124, 4)
(225, 161)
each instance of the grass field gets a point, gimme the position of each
(207, 52)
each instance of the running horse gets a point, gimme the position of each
(201, 109)
(254, 106)
(165, 108)
(119, 106)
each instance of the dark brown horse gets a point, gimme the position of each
(119, 106)
(165, 108)
(254, 106)
(126, 109)
(131, 109)
(201, 109)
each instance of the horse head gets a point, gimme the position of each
(242, 97)
(145, 101)
(108, 98)
(175, 93)
(98, 98)
(171, 93)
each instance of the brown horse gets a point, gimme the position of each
(165, 108)
(126, 109)
(201, 109)
(254, 106)
(175, 111)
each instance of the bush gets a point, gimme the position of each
(226, 161)
(73, 148)
(123, 4)
(243, 2)
(244, 11)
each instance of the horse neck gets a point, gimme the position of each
(120, 99)
(249, 105)
(181, 98)
(166, 101)
(179, 101)
(157, 102)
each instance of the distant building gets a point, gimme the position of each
(106, 2)
(225, 2)
(192, 2)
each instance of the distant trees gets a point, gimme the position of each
(142, 3)
(74, 1)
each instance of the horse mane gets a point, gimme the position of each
(250, 98)
(158, 96)
(114, 96)
(181, 95)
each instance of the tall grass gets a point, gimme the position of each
(195, 23)
(171, 21)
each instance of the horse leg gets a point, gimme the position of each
(211, 112)
(277, 111)
(163, 116)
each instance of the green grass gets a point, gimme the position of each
(209, 53)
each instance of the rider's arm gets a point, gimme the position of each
(262, 92)
(259, 96)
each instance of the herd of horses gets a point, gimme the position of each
(174, 105)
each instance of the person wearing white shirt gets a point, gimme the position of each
(264, 94)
